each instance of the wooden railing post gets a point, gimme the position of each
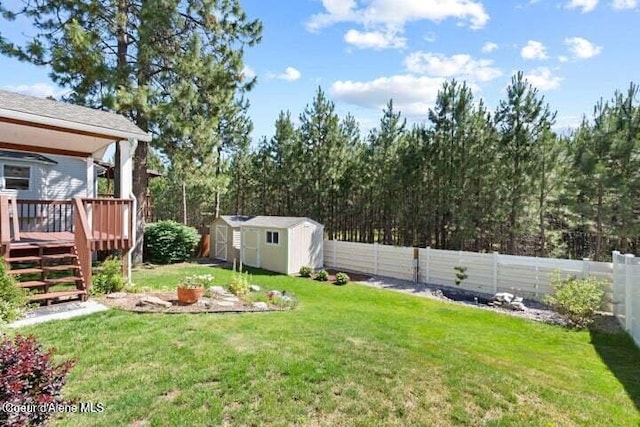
(84, 241)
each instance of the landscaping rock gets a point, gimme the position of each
(204, 303)
(255, 288)
(503, 297)
(153, 301)
(517, 306)
(225, 303)
(117, 295)
(274, 294)
(261, 305)
(217, 290)
(231, 299)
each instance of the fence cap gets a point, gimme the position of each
(630, 255)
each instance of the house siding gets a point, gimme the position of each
(61, 181)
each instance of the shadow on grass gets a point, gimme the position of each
(622, 357)
(229, 266)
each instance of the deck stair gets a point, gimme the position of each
(50, 271)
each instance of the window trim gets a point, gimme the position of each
(273, 232)
(4, 177)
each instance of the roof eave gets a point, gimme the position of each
(74, 127)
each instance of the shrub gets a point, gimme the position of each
(239, 285)
(110, 278)
(342, 279)
(576, 299)
(322, 276)
(13, 299)
(461, 274)
(305, 271)
(197, 281)
(169, 242)
(28, 377)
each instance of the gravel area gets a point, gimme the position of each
(534, 310)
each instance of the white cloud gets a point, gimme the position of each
(41, 90)
(624, 4)
(396, 13)
(582, 48)
(585, 5)
(543, 79)
(534, 50)
(375, 39)
(461, 65)
(290, 75)
(248, 72)
(412, 95)
(563, 58)
(489, 47)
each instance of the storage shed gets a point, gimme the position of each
(225, 237)
(281, 244)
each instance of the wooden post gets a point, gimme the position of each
(416, 265)
(335, 256)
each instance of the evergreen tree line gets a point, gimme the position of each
(465, 179)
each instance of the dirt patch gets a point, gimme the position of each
(354, 277)
(131, 302)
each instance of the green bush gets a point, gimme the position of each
(170, 242)
(13, 299)
(305, 271)
(110, 278)
(576, 299)
(342, 279)
(239, 285)
(322, 276)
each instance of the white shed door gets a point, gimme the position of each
(250, 255)
(221, 242)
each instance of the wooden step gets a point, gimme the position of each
(59, 256)
(23, 259)
(68, 279)
(54, 295)
(59, 267)
(25, 271)
(32, 284)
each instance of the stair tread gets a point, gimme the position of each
(23, 259)
(52, 295)
(59, 256)
(60, 267)
(25, 271)
(32, 284)
(67, 279)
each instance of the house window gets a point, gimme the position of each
(273, 237)
(16, 177)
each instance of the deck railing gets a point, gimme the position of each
(110, 222)
(84, 241)
(45, 216)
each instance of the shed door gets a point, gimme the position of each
(250, 254)
(221, 242)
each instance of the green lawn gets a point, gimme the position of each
(352, 356)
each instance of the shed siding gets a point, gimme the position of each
(273, 257)
(306, 242)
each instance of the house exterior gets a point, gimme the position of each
(225, 237)
(50, 220)
(281, 244)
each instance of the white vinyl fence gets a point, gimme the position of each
(487, 273)
(626, 293)
(494, 272)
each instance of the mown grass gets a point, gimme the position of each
(351, 355)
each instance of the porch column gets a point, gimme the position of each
(127, 148)
(91, 181)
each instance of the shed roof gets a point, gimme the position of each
(277, 221)
(23, 155)
(235, 220)
(76, 116)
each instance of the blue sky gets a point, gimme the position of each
(363, 52)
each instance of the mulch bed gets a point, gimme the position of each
(354, 277)
(130, 303)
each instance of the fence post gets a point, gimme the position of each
(628, 303)
(495, 272)
(585, 268)
(428, 267)
(537, 277)
(335, 258)
(416, 265)
(375, 258)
